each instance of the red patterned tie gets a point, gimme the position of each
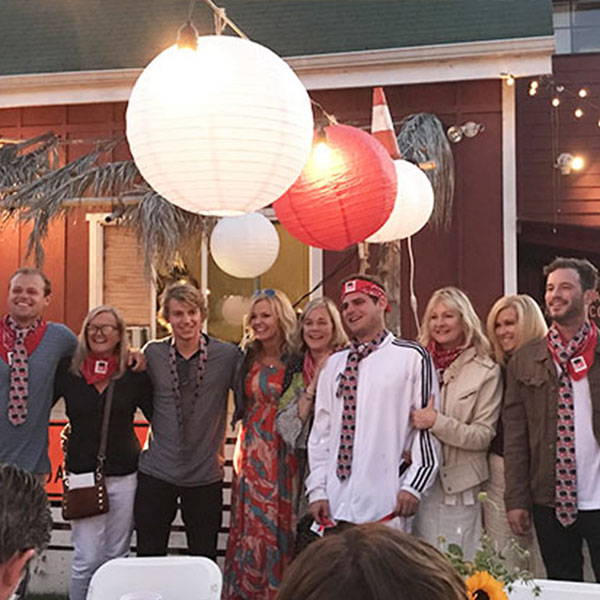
(565, 498)
(347, 392)
(17, 394)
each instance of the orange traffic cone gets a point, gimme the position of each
(382, 126)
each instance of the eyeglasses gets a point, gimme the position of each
(268, 292)
(103, 329)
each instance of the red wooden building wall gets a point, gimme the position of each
(469, 255)
(558, 214)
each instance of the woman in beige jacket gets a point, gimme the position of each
(471, 390)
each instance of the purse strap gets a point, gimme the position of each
(104, 433)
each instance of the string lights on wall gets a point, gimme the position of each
(579, 99)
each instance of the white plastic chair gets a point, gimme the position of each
(557, 590)
(168, 577)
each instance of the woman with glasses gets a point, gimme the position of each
(261, 534)
(319, 333)
(83, 381)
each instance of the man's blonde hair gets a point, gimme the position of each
(182, 291)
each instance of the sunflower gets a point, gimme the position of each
(482, 586)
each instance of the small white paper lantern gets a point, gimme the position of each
(234, 309)
(224, 129)
(413, 205)
(244, 246)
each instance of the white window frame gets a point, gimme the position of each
(96, 223)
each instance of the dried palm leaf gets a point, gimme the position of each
(422, 139)
(19, 166)
(163, 229)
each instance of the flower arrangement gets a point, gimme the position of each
(487, 576)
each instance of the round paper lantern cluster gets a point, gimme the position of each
(345, 193)
(413, 206)
(224, 129)
(244, 246)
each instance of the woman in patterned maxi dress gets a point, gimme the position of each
(261, 538)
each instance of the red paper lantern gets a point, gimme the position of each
(345, 192)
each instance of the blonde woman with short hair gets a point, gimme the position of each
(471, 392)
(512, 322)
(266, 479)
(319, 333)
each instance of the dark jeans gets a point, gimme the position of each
(561, 546)
(155, 508)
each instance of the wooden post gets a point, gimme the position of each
(389, 272)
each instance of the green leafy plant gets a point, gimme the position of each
(491, 559)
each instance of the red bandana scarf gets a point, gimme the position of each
(16, 345)
(96, 368)
(309, 368)
(574, 359)
(347, 392)
(370, 288)
(442, 358)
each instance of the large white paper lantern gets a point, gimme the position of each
(413, 205)
(224, 129)
(244, 246)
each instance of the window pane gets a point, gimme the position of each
(587, 14)
(586, 39)
(562, 39)
(560, 14)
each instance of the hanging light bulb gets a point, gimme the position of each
(532, 91)
(598, 123)
(582, 93)
(509, 78)
(578, 163)
(560, 89)
(555, 102)
(566, 162)
(534, 84)
(578, 112)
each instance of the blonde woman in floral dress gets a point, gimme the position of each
(261, 534)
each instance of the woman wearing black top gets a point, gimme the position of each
(101, 357)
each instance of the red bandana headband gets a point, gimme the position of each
(365, 287)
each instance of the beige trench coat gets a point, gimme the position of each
(466, 424)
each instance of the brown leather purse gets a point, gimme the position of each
(82, 502)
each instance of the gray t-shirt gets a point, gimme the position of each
(193, 456)
(26, 445)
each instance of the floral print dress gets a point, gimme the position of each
(261, 538)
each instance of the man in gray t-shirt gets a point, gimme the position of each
(183, 458)
(30, 350)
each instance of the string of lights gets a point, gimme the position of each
(581, 99)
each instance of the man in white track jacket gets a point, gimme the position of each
(367, 462)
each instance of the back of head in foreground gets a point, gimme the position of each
(371, 562)
(25, 524)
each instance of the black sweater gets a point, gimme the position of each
(85, 408)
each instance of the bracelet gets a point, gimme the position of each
(308, 393)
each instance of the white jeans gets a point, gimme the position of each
(100, 538)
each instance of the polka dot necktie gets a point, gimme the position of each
(347, 392)
(565, 498)
(19, 375)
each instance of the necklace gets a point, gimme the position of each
(270, 361)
